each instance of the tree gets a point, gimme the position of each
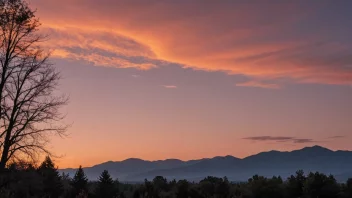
(79, 182)
(150, 190)
(29, 110)
(322, 186)
(106, 186)
(222, 188)
(295, 184)
(349, 187)
(160, 184)
(182, 188)
(66, 185)
(24, 181)
(208, 185)
(262, 187)
(51, 180)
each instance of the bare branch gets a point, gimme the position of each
(29, 109)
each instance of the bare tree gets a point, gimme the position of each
(29, 108)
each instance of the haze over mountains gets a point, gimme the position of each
(316, 158)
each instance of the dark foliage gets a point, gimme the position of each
(106, 186)
(23, 180)
(52, 184)
(80, 182)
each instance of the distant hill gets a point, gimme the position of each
(316, 158)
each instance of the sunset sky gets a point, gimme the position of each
(193, 79)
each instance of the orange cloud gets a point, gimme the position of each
(98, 47)
(170, 86)
(259, 40)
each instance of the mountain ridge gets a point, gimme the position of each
(167, 159)
(269, 163)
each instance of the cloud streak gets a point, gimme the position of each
(170, 86)
(337, 137)
(99, 48)
(259, 85)
(281, 139)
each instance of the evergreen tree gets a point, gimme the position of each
(349, 187)
(321, 186)
(51, 180)
(66, 183)
(182, 188)
(79, 182)
(21, 180)
(106, 187)
(295, 185)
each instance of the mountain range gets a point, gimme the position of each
(316, 158)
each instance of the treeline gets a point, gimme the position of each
(21, 180)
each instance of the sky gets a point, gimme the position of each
(195, 79)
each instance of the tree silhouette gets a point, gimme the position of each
(295, 184)
(51, 180)
(66, 184)
(24, 181)
(209, 186)
(322, 186)
(182, 188)
(106, 186)
(160, 183)
(349, 187)
(222, 188)
(262, 187)
(29, 111)
(79, 182)
(150, 191)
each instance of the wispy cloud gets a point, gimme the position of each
(259, 85)
(101, 48)
(269, 138)
(170, 86)
(303, 140)
(281, 139)
(337, 137)
(135, 76)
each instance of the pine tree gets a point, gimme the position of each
(106, 187)
(79, 182)
(51, 179)
(66, 183)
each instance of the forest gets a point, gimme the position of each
(26, 180)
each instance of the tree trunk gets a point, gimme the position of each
(3, 161)
(4, 154)
(6, 149)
